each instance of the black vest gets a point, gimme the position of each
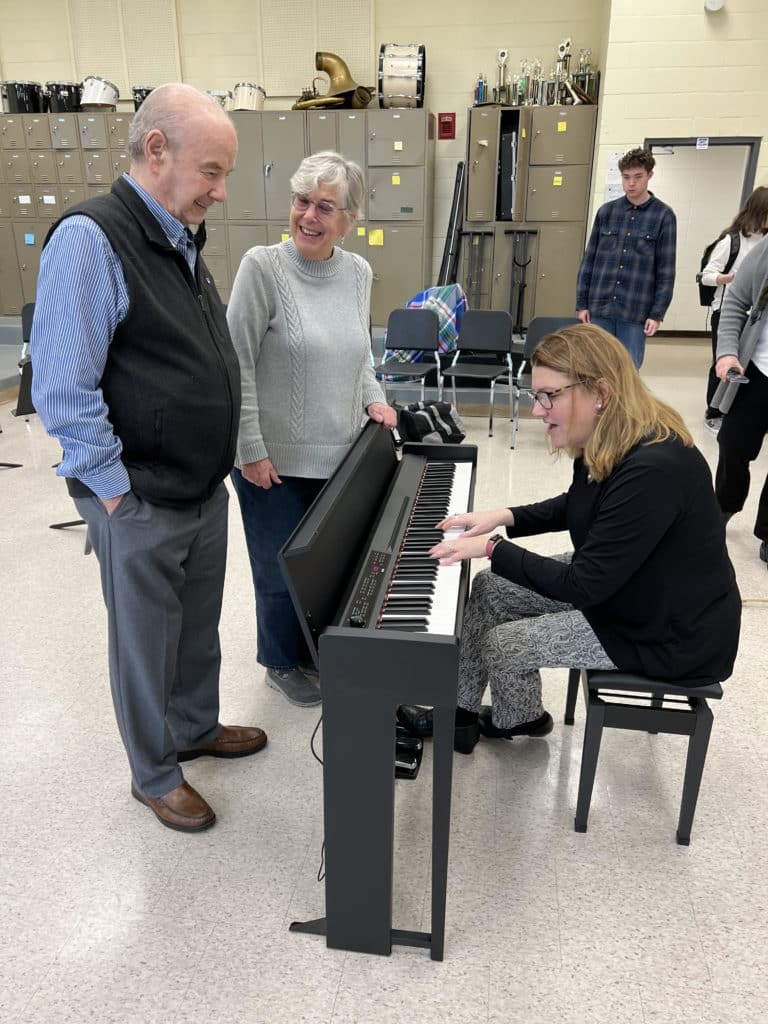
(172, 378)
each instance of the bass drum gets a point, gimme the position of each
(24, 97)
(402, 72)
(248, 96)
(140, 93)
(62, 97)
(98, 94)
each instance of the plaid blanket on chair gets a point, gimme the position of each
(450, 303)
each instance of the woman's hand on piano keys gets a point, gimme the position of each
(456, 549)
(476, 523)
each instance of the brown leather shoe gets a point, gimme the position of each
(232, 741)
(183, 808)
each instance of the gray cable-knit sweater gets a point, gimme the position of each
(301, 332)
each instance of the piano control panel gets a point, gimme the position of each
(368, 589)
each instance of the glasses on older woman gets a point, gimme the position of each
(324, 208)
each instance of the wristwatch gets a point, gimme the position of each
(492, 542)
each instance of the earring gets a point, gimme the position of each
(599, 406)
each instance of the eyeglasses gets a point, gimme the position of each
(544, 398)
(323, 207)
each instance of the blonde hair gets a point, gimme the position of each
(631, 414)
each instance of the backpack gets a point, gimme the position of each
(429, 422)
(707, 291)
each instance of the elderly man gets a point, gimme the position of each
(135, 374)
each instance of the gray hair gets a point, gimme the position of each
(331, 169)
(167, 109)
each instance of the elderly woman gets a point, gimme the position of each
(648, 588)
(299, 318)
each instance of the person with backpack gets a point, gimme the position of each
(721, 259)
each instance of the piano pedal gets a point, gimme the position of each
(408, 751)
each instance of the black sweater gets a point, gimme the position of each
(650, 570)
(172, 378)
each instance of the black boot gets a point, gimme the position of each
(538, 727)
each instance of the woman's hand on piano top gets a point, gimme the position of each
(476, 523)
(457, 549)
(383, 414)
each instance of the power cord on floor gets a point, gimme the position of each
(321, 869)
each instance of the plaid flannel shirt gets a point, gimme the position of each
(628, 270)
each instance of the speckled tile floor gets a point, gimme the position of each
(107, 917)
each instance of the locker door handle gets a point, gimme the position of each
(268, 169)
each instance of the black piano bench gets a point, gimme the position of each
(620, 700)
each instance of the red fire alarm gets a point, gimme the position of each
(446, 126)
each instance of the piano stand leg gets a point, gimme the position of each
(315, 927)
(400, 937)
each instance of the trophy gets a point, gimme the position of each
(500, 94)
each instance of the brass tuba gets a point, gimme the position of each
(343, 91)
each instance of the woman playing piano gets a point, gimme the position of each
(299, 315)
(648, 587)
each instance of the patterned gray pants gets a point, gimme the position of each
(511, 632)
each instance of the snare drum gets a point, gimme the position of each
(98, 94)
(62, 97)
(24, 97)
(140, 93)
(402, 70)
(247, 96)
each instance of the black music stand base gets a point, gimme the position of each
(398, 936)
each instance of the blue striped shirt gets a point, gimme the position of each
(628, 270)
(82, 297)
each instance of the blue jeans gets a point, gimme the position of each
(631, 336)
(269, 518)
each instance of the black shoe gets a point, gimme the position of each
(764, 551)
(541, 726)
(419, 722)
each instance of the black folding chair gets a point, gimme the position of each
(412, 330)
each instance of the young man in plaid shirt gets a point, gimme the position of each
(627, 275)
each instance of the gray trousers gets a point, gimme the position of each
(509, 633)
(162, 576)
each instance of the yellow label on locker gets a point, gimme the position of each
(524, 133)
(395, 179)
(361, 232)
(557, 180)
(398, 146)
(284, 237)
(562, 126)
(376, 236)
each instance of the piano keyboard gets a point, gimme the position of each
(423, 595)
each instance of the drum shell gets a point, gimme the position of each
(248, 96)
(402, 73)
(62, 97)
(140, 93)
(24, 97)
(98, 92)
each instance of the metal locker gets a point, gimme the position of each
(283, 140)
(396, 137)
(49, 205)
(5, 204)
(69, 167)
(245, 185)
(28, 239)
(97, 190)
(2, 172)
(42, 166)
(219, 268)
(563, 135)
(117, 130)
(278, 233)
(515, 263)
(93, 131)
(71, 194)
(396, 193)
(482, 165)
(351, 128)
(557, 193)
(12, 132)
(395, 252)
(357, 240)
(215, 212)
(561, 247)
(23, 204)
(16, 166)
(65, 131)
(477, 248)
(322, 130)
(11, 296)
(98, 167)
(216, 241)
(36, 131)
(120, 163)
(243, 237)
